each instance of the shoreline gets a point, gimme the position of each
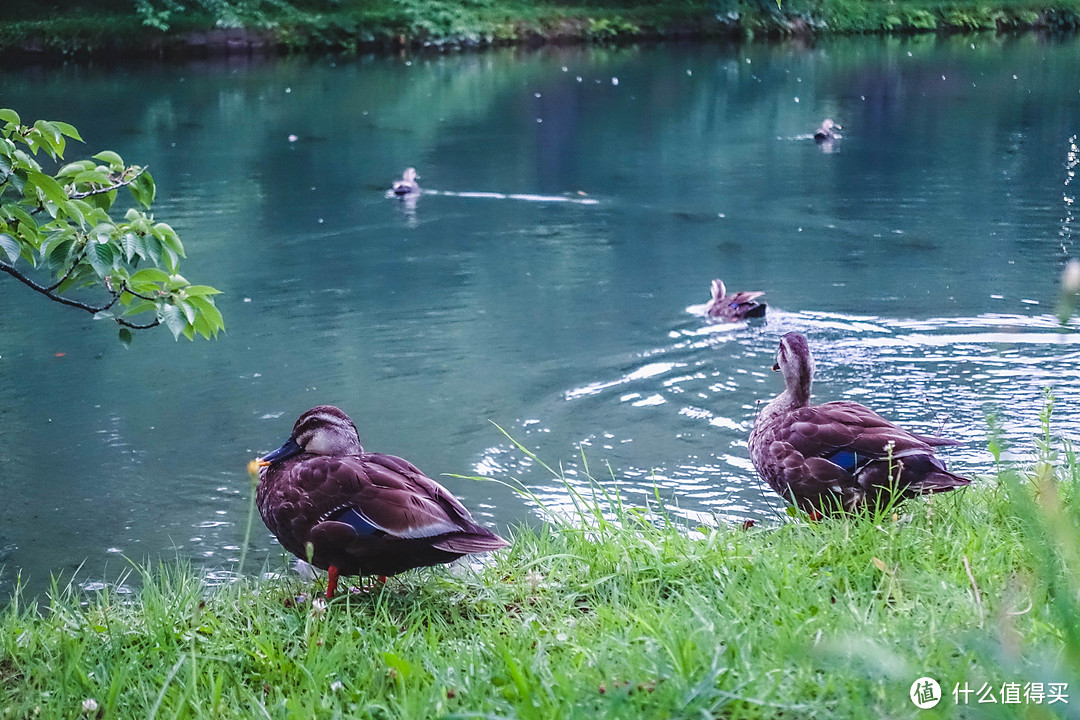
(126, 36)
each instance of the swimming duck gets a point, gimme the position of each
(407, 185)
(827, 131)
(352, 512)
(840, 456)
(735, 307)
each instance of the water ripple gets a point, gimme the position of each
(672, 420)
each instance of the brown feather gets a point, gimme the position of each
(364, 513)
(735, 306)
(839, 456)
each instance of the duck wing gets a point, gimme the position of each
(821, 430)
(386, 494)
(736, 305)
(841, 450)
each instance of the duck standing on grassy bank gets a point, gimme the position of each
(840, 456)
(352, 512)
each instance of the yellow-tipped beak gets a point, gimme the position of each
(254, 465)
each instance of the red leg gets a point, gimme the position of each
(331, 582)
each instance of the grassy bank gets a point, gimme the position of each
(592, 618)
(112, 28)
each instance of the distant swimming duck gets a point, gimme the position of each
(836, 457)
(407, 185)
(827, 131)
(735, 307)
(352, 512)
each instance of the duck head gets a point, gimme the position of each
(796, 364)
(409, 175)
(322, 430)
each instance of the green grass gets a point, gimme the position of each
(594, 617)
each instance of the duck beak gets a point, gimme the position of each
(287, 450)
(776, 367)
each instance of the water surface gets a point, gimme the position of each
(580, 201)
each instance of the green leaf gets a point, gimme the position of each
(197, 290)
(209, 311)
(126, 337)
(74, 168)
(52, 136)
(21, 215)
(49, 187)
(9, 115)
(174, 320)
(101, 201)
(130, 243)
(92, 176)
(153, 250)
(59, 255)
(153, 275)
(11, 247)
(68, 130)
(101, 257)
(115, 162)
(140, 307)
(187, 308)
(203, 326)
(170, 258)
(143, 189)
(168, 237)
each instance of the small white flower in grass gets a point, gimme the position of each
(337, 686)
(318, 607)
(90, 706)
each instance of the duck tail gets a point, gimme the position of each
(934, 441)
(939, 481)
(481, 540)
(930, 476)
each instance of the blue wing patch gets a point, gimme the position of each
(357, 522)
(847, 459)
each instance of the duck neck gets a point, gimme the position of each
(792, 399)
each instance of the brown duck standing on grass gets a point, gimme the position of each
(352, 512)
(736, 306)
(840, 456)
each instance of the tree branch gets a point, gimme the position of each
(108, 188)
(126, 288)
(133, 326)
(47, 292)
(70, 270)
(10, 270)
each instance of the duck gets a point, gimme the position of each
(407, 185)
(735, 307)
(352, 512)
(840, 457)
(827, 131)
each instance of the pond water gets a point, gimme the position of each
(579, 202)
